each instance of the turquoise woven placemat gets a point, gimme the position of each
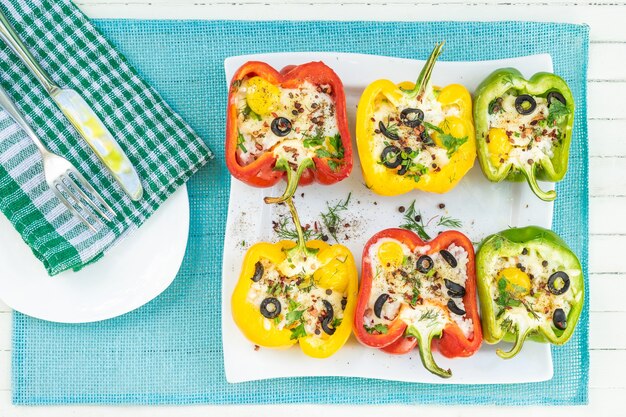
(170, 351)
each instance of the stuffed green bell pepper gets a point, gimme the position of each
(524, 128)
(530, 285)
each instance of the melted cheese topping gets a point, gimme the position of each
(537, 306)
(417, 296)
(309, 108)
(301, 301)
(532, 139)
(430, 157)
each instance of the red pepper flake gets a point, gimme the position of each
(256, 348)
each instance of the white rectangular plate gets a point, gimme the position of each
(483, 207)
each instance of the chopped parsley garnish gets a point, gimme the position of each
(413, 169)
(334, 156)
(556, 112)
(505, 298)
(240, 143)
(247, 112)
(311, 141)
(293, 314)
(298, 332)
(336, 322)
(495, 106)
(451, 143)
(380, 328)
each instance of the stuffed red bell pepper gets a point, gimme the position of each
(291, 123)
(414, 291)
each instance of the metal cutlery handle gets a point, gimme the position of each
(13, 41)
(9, 106)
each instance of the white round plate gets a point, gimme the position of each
(132, 273)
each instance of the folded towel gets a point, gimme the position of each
(163, 148)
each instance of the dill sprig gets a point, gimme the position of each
(449, 222)
(332, 219)
(428, 314)
(285, 230)
(413, 221)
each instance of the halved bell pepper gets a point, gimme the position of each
(414, 292)
(415, 136)
(302, 292)
(530, 285)
(294, 120)
(524, 127)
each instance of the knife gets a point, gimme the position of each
(80, 115)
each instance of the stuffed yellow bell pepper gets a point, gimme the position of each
(302, 292)
(415, 136)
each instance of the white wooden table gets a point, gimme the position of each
(607, 142)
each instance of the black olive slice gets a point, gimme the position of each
(344, 303)
(556, 96)
(455, 290)
(274, 308)
(329, 309)
(328, 319)
(281, 126)
(455, 309)
(380, 302)
(403, 170)
(525, 104)
(559, 319)
(412, 117)
(424, 264)
(387, 133)
(426, 139)
(561, 279)
(394, 152)
(326, 326)
(258, 272)
(448, 257)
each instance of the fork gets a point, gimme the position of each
(62, 177)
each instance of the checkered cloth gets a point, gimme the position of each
(163, 148)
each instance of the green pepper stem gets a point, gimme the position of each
(426, 353)
(301, 246)
(293, 178)
(529, 172)
(520, 336)
(426, 73)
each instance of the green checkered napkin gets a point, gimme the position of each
(163, 148)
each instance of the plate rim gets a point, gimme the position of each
(547, 375)
(183, 193)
